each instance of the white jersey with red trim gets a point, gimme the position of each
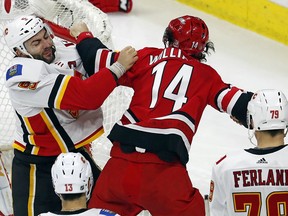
(83, 212)
(250, 182)
(67, 57)
(56, 111)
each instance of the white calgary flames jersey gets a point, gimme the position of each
(252, 182)
(54, 113)
(84, 212)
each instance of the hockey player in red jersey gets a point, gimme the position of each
(108, 6)
(151, 143)
(255, 181)
(57, 108)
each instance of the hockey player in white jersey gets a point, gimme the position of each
(6, 208)
(72, 180)
(254, 182)
(57, 108)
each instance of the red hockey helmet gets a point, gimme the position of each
(187, 33)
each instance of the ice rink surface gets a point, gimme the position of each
(243, 58)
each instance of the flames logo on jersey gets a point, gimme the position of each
(74, 113)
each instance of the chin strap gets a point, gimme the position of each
(285, 133)
(251, 134)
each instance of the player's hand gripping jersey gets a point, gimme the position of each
(253, 181)
(50, 131)
(169, 84)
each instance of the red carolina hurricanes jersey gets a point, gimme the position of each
(171, 91)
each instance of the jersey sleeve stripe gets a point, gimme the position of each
(97, 60)
(54, 91)
(233, 101)
(220, 98)
(109, 57)
(103, 59)
(58, 91)
(61, 91)
(225, 97)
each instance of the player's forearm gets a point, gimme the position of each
(84, 94)
(87, 47)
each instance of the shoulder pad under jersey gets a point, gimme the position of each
(27, 70)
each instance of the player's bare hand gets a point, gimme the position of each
(77, 28)
(128, 56)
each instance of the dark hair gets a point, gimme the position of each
(71, 197)
(273, 133)
(202, 56)
(168, 40)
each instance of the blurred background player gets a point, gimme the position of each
(6, 208)
(73, 181)
(108, 6)
(151, 144)
(58, 108)
(255, 181)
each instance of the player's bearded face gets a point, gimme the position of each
(41, 47)
(48, 55)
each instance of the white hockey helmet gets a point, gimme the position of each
(268, 110)
(72, 174)
(21, 29)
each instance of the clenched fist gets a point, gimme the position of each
(77, 28)
(127, 57)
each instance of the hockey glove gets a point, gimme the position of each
(113, 5)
